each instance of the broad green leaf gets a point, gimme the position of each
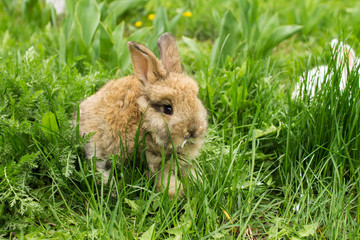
(241, 70)
(149, 234)
(269, 130)
(70, 7)
(246, 184)
(228, 41)
(119, 7)
(177, 232)
(308, 230)
(219, 235)
(161, 21)
(106, 42)
(87, 16)
(282, 33)
(192, 45)
(49, 124)
(119, 47)
(68, 26)
(133, 205)
(214, 52)
(174, 22)
(267, 25)
(156, 203)
(177, 237)
(181, 229)
(62, 46)
(117, 36)
(160, 26)
(276, 230)
(140, 34)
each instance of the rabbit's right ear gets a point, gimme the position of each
(343, 52)
(348, 53)
(146, 66)
(169, 53)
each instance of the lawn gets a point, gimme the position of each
(272, 166)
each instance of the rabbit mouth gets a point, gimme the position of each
(184, 142)
(188, 141)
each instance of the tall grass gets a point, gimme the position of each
(325, 126)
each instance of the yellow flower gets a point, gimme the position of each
(187, 14)
(151, 16)
(138, 24)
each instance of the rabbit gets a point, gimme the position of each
(59, 5)
(161, 99)
(345, 61)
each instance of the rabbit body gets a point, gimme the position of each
(159, 102)
(345, 61)
(315, 78)
(106, 113)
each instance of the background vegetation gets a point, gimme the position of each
(272, 167)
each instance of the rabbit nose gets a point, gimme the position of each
(192, 133)
(189, 134)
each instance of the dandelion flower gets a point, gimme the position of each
(138, 24)
(187, 14)
(151, 16)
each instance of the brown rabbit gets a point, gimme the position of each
(160, 98)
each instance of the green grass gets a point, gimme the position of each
(282, 168)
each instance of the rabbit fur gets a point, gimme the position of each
(345, 61)
(162, 98)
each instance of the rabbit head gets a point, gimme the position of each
(173, 115)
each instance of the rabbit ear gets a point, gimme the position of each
(349, 54)
(344, 53)
(146, 66)
(169, 53)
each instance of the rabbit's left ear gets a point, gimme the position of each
(146, 66)
(343, 52)
(349, 54)
(169, 53)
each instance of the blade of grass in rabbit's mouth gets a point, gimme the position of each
(183, 144)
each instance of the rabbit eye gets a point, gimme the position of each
(167, 109)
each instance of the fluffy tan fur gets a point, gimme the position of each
(117, 108)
